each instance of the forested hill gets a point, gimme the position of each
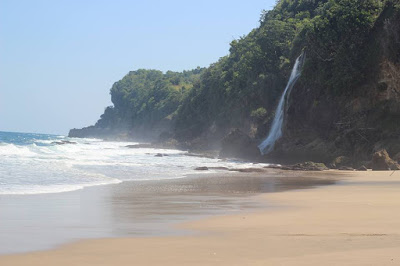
(144, 101)
(351, 72)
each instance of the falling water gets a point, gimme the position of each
(276, 129)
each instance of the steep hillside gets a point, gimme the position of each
(145, 103)
(241, 89)
(346, 101)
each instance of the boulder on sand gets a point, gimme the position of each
(362, 168)
(381, 161)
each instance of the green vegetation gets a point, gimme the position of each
(259, 114)
(146, 97)
(246, 84)
(337, 42)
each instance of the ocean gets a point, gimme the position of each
(42, 163)
(56, 190)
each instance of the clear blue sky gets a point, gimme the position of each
(59, 58)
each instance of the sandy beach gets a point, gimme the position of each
(354, 222)
(200, 133)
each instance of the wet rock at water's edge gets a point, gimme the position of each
(201, 168)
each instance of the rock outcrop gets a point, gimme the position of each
(306, 166)
(381, 162)
(356, 122)
(397, 157)
(346, 102)
(362, 168)
(100, 133)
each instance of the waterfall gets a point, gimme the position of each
(276, 129)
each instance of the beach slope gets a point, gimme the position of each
(355, 222)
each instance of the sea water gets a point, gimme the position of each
(42, 163)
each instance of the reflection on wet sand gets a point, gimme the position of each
(145, 208)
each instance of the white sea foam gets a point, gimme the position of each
(44, 167)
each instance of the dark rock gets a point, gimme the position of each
(202, 168)
(63, 142)
(306, 166)
(391, 145)
(238, 145)
(219, 168)
(100, 133)
(341, 161)
(273, 166)
(139, 146)
(366, 164)
(397, 157)
(346, 168)
(159, 155)
(362, 168)
(203, 155)
(192, 154)
(381, 162)
(248, 170)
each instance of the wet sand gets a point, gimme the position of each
(134, 209)
(354, 222)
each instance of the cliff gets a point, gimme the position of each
(346, 102)
(324, 124)
(145, 103)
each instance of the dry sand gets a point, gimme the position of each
(355, 222)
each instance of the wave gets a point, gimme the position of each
(45, 189)
(11, 149)
(39, 166)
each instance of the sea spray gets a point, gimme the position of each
(276, 129)
(37, 163)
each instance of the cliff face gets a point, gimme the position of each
(144, 105)
(143, 132)
(346, 102)
(321, 124)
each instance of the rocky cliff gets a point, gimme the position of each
(345, 104)
(322, 124)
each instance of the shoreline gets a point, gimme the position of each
(352, 222)
(149, 208)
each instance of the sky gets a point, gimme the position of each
(59, 58)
